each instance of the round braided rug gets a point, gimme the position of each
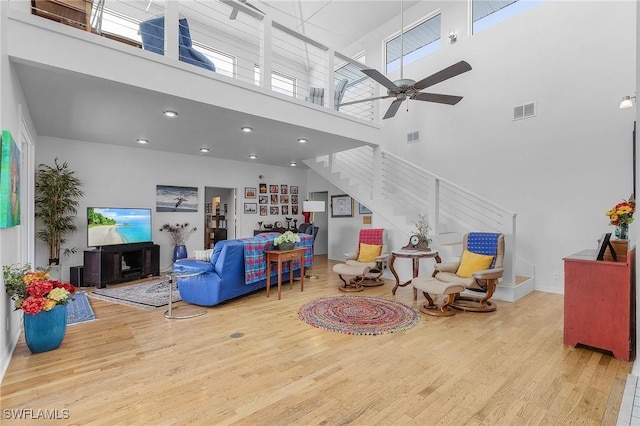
(359, 315)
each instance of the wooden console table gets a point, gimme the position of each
(599, 303)
(280, 256)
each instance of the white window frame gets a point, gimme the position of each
(417, 54)
(499, 16)
(220, 59)
(275, 75)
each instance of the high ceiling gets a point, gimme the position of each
(65, 106)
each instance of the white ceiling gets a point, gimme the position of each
(63, 104)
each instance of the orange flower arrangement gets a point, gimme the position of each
(622, 213)
(34, 291)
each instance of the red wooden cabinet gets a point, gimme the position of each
(599, 303)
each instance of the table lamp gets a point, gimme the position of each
(312, 207)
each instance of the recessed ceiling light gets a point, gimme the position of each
(204, 149)
(293, 164)
(252, 156)
(170, 114)
(302, 140)
(142, 141)
(246, 129)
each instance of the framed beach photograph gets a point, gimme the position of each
(250, 208)
(176, 198)
(264, 210)
(249, 192)
(262, 188)
(341, 206)
(263, 199)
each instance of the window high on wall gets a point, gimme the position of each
(280, 82)
(419, 41)
(487, 13)
(224, 62)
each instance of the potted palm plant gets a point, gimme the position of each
(56, 202)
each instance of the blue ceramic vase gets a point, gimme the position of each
(45, 331)
(179, 252)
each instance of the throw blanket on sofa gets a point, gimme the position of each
(255, 261)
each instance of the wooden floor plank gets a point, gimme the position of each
(132, 366)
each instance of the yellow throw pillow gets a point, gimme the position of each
(472, 262)
(368, 252)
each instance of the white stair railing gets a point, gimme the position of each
(413, 190)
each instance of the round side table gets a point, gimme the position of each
(415, 256)
(171, 276)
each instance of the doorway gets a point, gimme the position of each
(321, 220)
(219, 215)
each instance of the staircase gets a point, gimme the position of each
(398, 191)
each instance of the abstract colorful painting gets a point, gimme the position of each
(9, 181)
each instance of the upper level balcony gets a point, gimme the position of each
(222, 59)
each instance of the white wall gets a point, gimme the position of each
(561, 170)
(127, 177)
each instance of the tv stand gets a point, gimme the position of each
(117, 264)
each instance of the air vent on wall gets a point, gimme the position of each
(413, 136)
(524, 111)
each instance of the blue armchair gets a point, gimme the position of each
(152, 32)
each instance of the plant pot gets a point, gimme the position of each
(179, 252)
(45, 331)
(286, 246)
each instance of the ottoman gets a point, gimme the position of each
(430, 286)
(357, 272)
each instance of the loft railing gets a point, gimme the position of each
(242, 43)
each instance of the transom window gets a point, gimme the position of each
(419, 41)
(487, 13)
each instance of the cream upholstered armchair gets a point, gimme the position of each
(373, 253)
(479, 269)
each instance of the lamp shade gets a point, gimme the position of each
(313, 206)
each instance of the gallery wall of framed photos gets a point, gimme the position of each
(272, 200)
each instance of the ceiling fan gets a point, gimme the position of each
(235, 10)
(405, 88)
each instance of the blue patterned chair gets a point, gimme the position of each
(152, 33)
(479, 269)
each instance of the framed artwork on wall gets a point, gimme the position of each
(294, 199)
(249, 192)
(285, 210)
(264, 210)
(293, 189)
(284, 199)
(274, 210)
(263, 199)
(262, 188)
(250, 208)
(294, 209)
(273, 189)
(9, 181)
(283, 189)
(341, 206)
(362, 209)
(176, 198)
(274, 198)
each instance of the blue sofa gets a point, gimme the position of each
(237, 267)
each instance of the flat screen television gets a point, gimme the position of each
(108, 226)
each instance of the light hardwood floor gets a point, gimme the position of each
(133, 366)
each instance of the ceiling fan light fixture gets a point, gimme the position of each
(170, 114)
(627, 102)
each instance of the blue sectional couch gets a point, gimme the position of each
(237, 267)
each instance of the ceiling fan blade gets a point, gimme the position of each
(393, 108)
(234, 14)
(253, 7)
(364, 100)
(380, 78)
(451, 71)
(436, 97)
